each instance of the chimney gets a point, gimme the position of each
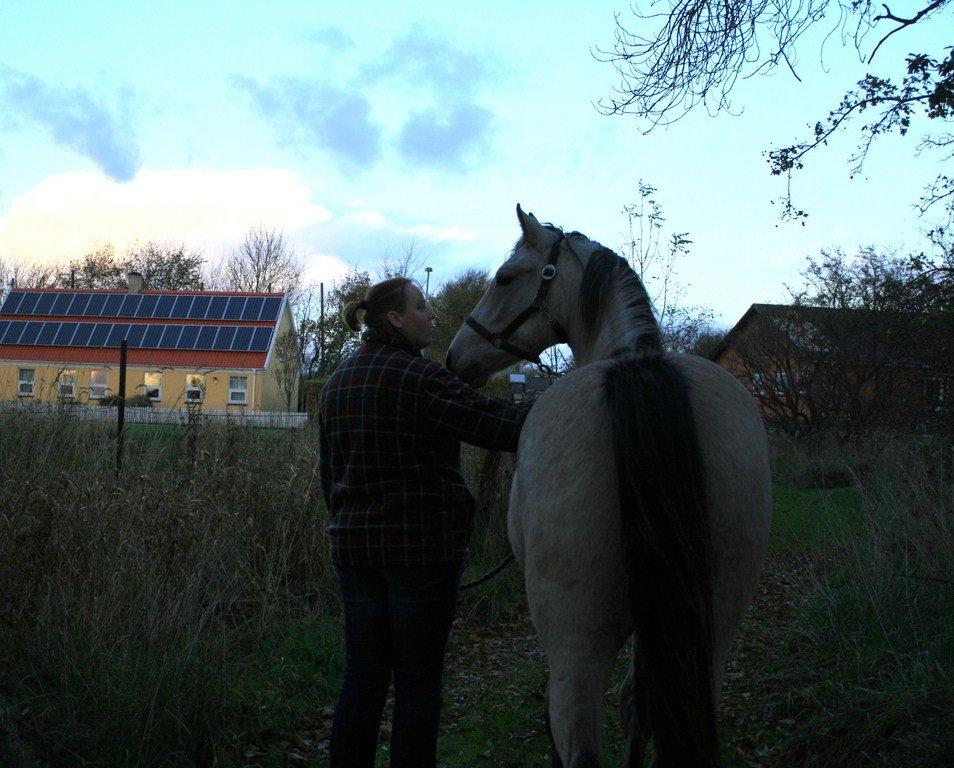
(135, 282)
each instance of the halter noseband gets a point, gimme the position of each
(500, 338)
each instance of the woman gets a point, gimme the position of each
(401, 515)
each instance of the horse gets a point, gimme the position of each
(641, 500)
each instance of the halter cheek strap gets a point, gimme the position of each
(500, 338)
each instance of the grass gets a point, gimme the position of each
(185, 614)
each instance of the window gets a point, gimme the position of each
(238, 390)
(27, 380)
(758, 383)
(66, 384)
(781, 383)
(195, 387)
(152, 384)
(98, 385)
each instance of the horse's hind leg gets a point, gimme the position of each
(579, 678)
(634, 717)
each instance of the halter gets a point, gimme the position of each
(539, 304)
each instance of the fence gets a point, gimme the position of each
(264, 419)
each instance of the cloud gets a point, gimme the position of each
(449, 140)
(66, 214)
(421, 58)
(76, 120)
(438, 234)
(310, 111)
(334, 39)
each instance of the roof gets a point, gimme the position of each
(918, 340)
(194, 329)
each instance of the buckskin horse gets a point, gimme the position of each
(641, 499)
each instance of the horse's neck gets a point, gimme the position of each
(614, 333)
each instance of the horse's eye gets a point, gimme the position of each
(503, 280)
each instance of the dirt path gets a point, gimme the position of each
(495, 679)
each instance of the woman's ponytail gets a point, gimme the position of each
(350, 314)
(387, 296)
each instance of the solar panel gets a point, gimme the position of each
(28, 304)
(95, 306)
(253, 308)
(47, 333)
(11, 303)
(136, 332)
(3, 328)
(217, 307)
(233, 310)
(151, 338)
(224, 338)
(199, 307)
(44, 304)
(83, 332)
(164, 306)
(99, 335)
(31, 332)
(180, 307)
(64, 336)
(270, 310)
(261, 339)
(13, 332)
(78, 307)
(206, 337)
(170, 336)
(190, 333)
(130, 304)
(147, 305)
(117, 333)
(113, 303)
(243, 337)
(62, 303)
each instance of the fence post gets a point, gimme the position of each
(121, 408)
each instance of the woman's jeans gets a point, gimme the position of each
(397, 621)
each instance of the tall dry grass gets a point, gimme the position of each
(129, 605)
(874, 679)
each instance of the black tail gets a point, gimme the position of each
(667, 550)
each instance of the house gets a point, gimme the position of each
(217, 348)
(809, 366)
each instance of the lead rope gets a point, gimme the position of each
(490, 574)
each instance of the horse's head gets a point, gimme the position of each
(524, 310)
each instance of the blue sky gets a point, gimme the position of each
(359, 128)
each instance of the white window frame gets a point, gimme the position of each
(67, 376)
(146, 388)
(29, 382)
(195, 385)
(233, 390)
(98, 391)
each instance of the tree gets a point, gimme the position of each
(97, 269)
(263, 262)
(696, 53)
(287, 369)
(24, 275)
(453, 302)
(656, 265)
(165, 266)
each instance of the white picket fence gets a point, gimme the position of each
(265, 419)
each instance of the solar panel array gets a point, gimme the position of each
(226, 338)
(142, 305)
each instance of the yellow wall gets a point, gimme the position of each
(172, 391)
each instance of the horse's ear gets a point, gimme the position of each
(530, 227)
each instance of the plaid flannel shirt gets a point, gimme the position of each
(390, 423)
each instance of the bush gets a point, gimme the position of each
(136, 401)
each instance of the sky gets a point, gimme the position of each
(358, 130)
